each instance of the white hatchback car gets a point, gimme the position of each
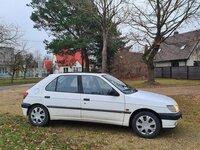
(99, 98)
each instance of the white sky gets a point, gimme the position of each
(17, 13)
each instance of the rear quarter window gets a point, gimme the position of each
(51, 86)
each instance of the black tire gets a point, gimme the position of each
(146, 124)
(38, 115)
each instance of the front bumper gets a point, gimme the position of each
(171, 116)
(170, 120)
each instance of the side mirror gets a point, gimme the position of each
(114, 93)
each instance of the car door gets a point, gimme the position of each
(62, 97)
(98, 102)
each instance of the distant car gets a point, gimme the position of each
(99, 98)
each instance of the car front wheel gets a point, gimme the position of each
(38, 115)
(146, 124)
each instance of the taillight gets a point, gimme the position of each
(25, 94)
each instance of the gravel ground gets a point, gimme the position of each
(181, 90)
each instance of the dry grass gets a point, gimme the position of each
(10, 101)
(162, 83)
(16, 133)
(7, 82)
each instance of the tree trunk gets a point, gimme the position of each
(12, 76)
(104, 51)
(82, 59)
(150, 77)
(87, 63)
(24, 74)
(148, 59)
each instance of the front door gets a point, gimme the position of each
(98, 104)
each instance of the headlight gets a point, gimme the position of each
(173, 108)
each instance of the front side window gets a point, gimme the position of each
(64, 83)
(95, 85)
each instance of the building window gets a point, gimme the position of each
(3, 70)
(80, 69)
(175, 63)
(196, 63)
(65, 70)
(75, 69)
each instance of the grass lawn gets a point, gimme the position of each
(6, 82)
(16, 133)
(162, 83)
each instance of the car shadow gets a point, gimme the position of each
(89, 126)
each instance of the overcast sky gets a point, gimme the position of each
(16, 12)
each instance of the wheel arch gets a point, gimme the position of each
(35, 105)
(144, 109)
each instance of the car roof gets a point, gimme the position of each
(78, 73)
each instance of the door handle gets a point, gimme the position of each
(47, 97)
(86, 99)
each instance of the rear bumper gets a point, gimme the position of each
(25, 107)
(170, 120)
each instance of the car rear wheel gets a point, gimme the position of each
(38, 115)
(146, 124)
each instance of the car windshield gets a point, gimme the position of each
(120, 85)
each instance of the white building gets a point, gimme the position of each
(67, 63)
(6, 57)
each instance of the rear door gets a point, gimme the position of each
(98, 103)
(62, 97)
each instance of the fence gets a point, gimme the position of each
(185, 72)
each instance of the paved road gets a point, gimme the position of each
(15, 86)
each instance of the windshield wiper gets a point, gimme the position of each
(128, 89)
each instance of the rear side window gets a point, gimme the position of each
(67, 84)
(64, 83)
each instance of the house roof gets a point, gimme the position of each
(178, 46)
(68, 59)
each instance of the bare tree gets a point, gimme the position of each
(16, 63)
(28, 63)
(9, 34)
(128, 64)
(37, 63)
(110, 14)
(17, 60)
(154, 21)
